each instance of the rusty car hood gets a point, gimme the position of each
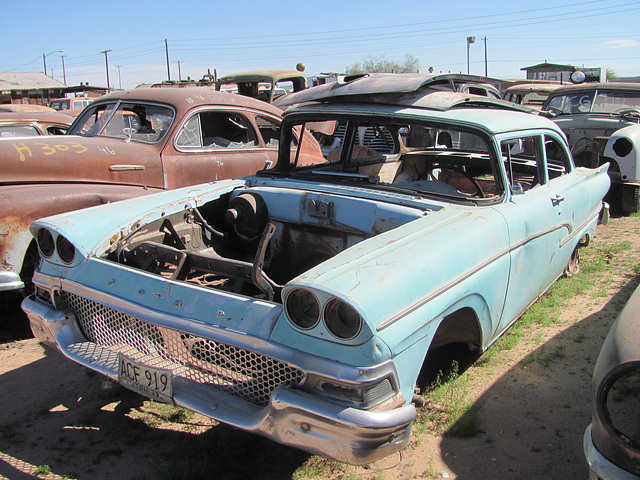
(69, 158)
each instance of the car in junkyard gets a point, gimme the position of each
(27, 124)
(300, 303)
(612, 440)
(70, 103)
(265, 85)
(532, 95)
(126, 144)
(601, 121)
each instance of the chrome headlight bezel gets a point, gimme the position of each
(330, 314)
(55, 248)
(610, 388)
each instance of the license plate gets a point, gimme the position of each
(152, 382)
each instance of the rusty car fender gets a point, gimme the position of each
(22, 204)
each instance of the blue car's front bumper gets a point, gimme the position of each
(291, 417)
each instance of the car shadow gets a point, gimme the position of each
(533, 418)
(81, 424)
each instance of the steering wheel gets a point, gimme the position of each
(552, 112)
(429, 173)
(629, 112)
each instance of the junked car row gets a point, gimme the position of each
(126, 144)
(300, 302)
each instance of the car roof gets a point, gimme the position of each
(376, 84)
(24, 107)
(271, 76)
(40, 116)
(490, 115)
(186, 98)
(533, 87)
(590, 86)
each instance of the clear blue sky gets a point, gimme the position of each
(326, 35)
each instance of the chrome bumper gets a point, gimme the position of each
(599, 467)
(10, 281)
(292, 417)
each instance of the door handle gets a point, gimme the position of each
(555, 201)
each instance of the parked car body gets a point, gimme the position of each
(24, 108)
(127, 144)
(265, 85)
(72, 103)
(532, 95)
(28, 124)
(300, 303)
(612, 441)
(590, 114)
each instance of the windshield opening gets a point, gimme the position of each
(127, 120)
(607, 102)
(419, 157)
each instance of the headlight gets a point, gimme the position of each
(51, 244)
(363, 395)
(619, 405)
(303, 308)
(341, 319)
(46, 243)
(66, 250)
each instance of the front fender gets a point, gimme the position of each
(623, 147)
(20, 205)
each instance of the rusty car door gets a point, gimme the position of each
(219, 143)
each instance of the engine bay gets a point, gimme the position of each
(253, 241)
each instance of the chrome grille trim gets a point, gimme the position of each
(240, 372)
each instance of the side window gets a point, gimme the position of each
(270, 131)
(558, 163)
(216, 129)
(523, 161)
(191, 134)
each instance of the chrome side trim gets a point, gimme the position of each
(465, 275)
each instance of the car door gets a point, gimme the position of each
(539, 220)
(219, 143)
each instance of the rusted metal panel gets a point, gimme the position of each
(95, 164)
(79, 159)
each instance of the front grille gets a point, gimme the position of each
(237, 371)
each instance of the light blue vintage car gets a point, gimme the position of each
(300, 303)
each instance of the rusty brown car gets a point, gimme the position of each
(124, 145)
(28, 124)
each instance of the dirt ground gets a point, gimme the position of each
(59, 420)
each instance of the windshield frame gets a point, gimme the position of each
(110, 109)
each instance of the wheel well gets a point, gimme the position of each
(461, 326)
(31, 258)
(456, 342)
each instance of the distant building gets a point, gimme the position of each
(38, 89)
(553, 72)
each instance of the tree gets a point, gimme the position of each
(382, 65)
(612, 76)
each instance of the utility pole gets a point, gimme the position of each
(106, 62)
(179, 72)
(166, 47)
(64, 73)
(470, 40)
(44, 59)
(119, 77)
(485, 57)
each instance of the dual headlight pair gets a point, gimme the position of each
(49, 245)
(305, 311)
